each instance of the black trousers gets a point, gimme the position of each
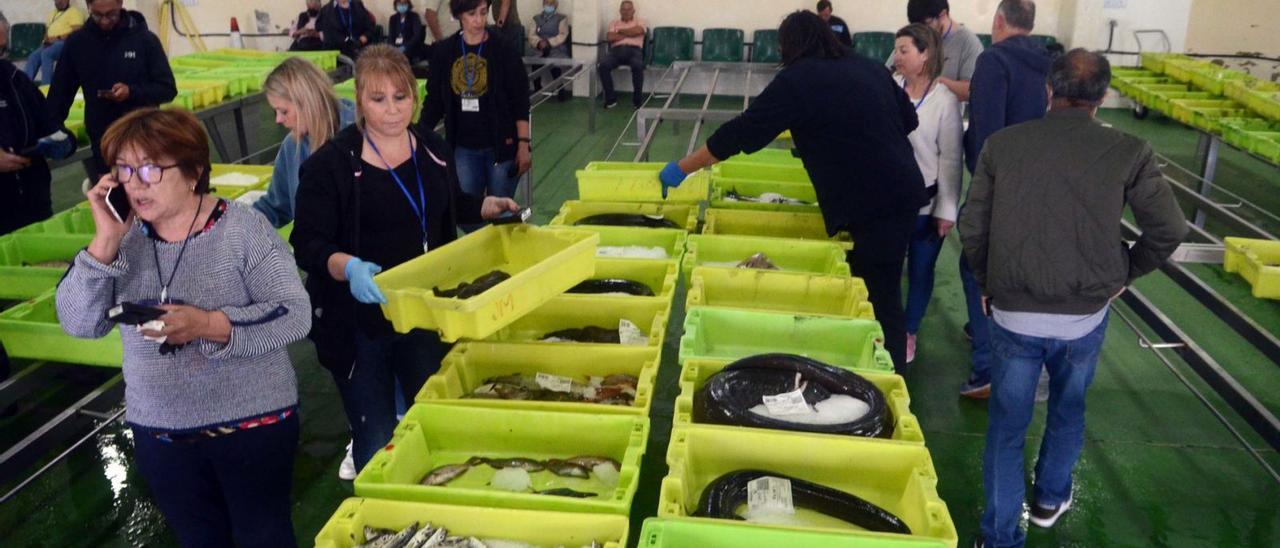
(879, 249)
(629, 56)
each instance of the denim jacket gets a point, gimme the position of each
(278, 202)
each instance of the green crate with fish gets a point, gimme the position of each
(772, 224)
(641, 215)
(848, 486)
(650, 244)
(32, 264)
(1257, 261)
(30, 330)
(637, 182)
(751, 395)
(441, 524)
(734, 169)
(686, 532)
(811, 256)
(626, 277)
(502, 458)
(480, 283)
(543, 377)
(596, 320)
(769, 290)
(763, 195)
(720, 333)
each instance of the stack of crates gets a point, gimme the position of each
(809, 306)
(34, 258)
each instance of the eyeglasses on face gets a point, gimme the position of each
(148, 174)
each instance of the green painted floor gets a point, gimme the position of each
(1157, 470)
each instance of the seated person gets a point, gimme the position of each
(63, 20)
(549, 37)
(838, 25)
(406, 32)
(304, 33)
(626, 47)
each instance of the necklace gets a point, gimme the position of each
(155, 254)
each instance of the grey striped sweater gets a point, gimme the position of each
(241, 267)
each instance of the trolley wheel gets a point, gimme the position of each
(1140, 112)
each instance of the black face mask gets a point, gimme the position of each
(313, 13)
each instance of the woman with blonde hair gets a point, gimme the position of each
(376, 195)
(303, 99)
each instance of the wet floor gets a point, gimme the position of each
(1157, 469)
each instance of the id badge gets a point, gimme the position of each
(399, 40)
(470, 103)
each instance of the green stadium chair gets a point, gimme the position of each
(876, 45)
(765, 48)
(986, 40)
(722, 45)
(1044, 39)
(671, 44)
(25, 38)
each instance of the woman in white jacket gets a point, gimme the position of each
(938, 143)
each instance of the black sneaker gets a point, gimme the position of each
(1042, 516)
(610, 104)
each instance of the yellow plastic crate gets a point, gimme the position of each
(659, 276)
(206, 94)
(727, 334)
(542, 263)
(771, 156)
(30, 330)
(817, 257)
(20, 255)
(684, 216)
(756, 171)
(1258, 262)
(346, 528)
(670, 240)
(261, 174)
(468, 365)
(897, 477)
(650, 314)
(433, 435)
(906, 427)
(637, 182)
(771, 290)
(772, 224)
(721, 188)
(684, 533)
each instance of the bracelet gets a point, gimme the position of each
(523, 140)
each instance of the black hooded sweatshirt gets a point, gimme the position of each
(94, 60)
(24, 194)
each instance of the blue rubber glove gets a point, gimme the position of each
(56, 148)
(671, 177)
(360, 277)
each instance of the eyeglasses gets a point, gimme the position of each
(108, 16)
(148, 174)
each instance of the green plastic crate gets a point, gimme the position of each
(770, 156)
(76, 220)
(30, 330)
(1214, 80)
(1238, 132)
(261, 174)
(761, 172)
(1184, 110)
(20, 255)
(433, 435)
(817, 257)
(772, 224)
(468, 365)
(1266, 144)
(769, 290)
(1156, 62)
(670, 240)
(685, 533)
(725, 334)
(637, 182)
(683, 215)
(804, 192)
(906, 427)
(1260, 96)
(897, 477)
(542, 263)
(345, 529)
(660, 276)
(204, 93)
(1258, 262)
(1183, 70)
(650, 314)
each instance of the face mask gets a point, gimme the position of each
(548, 9)
(402, 8)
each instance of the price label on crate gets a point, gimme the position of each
(554, 383)
(787, 403)
(770, 495)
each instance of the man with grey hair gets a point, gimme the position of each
(1041, 233)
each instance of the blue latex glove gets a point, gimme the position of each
(56, 149)
(671, 177)
(360, 277)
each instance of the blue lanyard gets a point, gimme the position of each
(468, 71)
(346, 20)
(419, 209)
(948, 33)
(926, 93)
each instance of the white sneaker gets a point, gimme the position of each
(1045, 517)
(347, 470)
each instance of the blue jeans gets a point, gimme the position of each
(480, 174)
(1071, 365)
(979, 326)
(44, 57)
(368, 389)
(922, 258)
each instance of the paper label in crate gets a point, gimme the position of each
(554, 383)
(770, 495)
(787, 403)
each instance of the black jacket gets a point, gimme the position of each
(94, 60)
(340, 35)
(507, 99)
(24, 119)
(327, 221)
(841, 29)
(413, 32)
(850, 124)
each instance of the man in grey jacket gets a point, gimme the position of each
(1042, 233)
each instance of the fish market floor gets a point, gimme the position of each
(1157, 468)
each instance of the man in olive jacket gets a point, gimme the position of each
(1042, 233)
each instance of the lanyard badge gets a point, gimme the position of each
(419, 206)
(470, 72)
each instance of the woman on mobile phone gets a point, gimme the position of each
(212, 398)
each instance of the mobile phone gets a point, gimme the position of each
(106, 93)
(30, 152)
(512, 218)
(133, 314)
(118, 203)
